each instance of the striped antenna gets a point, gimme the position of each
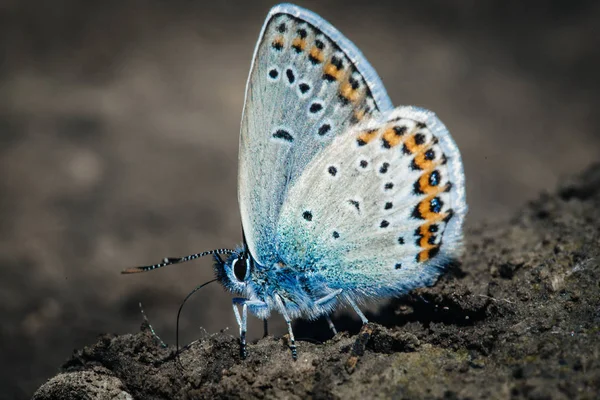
(175, 260)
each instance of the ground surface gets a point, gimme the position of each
(520, 318)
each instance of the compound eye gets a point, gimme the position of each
(240, 269)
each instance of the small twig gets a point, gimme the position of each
(160, 341)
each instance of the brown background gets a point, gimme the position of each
(119, 127)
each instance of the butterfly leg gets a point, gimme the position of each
(288, 321)
(326, 299)
(243, 319)
(361, 341)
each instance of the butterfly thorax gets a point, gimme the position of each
(297, 288)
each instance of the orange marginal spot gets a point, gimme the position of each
(424, 185)
(425, 235)
(278, 42)
(411, 145)
(348, 92)
(316, 54)
(423, 163)
(425, 206)
(299, 44)
(359, 114)
(390, 136)
(427, 254)
(333, 71)
(368, 135)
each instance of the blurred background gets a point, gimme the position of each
(119, 125)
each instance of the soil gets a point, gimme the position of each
(518, 318)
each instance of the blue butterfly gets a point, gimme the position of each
(343, 197)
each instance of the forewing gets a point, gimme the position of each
(381, 209)
(307, 85)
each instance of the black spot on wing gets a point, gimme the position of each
(323, 129)
(304, 88)
(290, 76)
(315, 108)
(284, 135)
(355, 203)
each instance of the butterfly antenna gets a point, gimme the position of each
(175, 260)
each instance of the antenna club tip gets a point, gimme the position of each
(133, 270)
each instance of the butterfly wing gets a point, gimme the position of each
(307, 84)
(380, 210)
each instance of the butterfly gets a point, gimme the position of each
(343, 197)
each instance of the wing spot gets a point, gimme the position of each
(367, 135)
(434, 178)
(389, 186)
(398, 266)
(345, 101)
(332, 170)
(315, 108)
(290, 76)
(428, 254)
(399, 130)
(400, 240)
(277, 43)
(273, 73)
(337, 62)
(283, 134)
(384, 167)
(336, 234)
(363, 163)
(417, 187)
(303, 88)
(315, 56)
(388, 205)
(355, 203)
(307, 215)
(436, 205)
(282, 28)
(414, 166)
(357, 116)
(384, 224)
(323, 129)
